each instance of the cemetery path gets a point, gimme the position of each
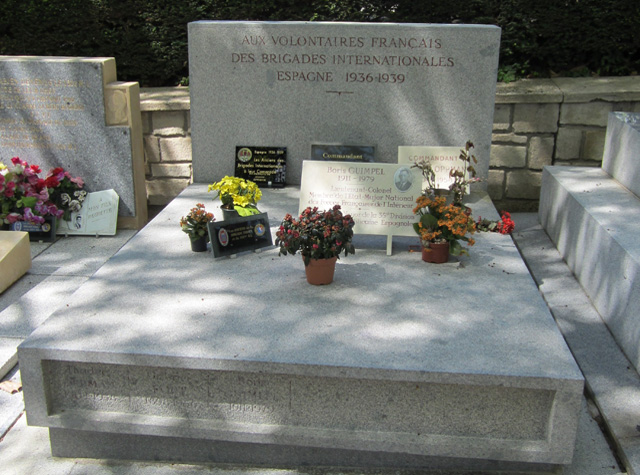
(604, 444)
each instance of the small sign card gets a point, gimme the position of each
(443, 160)
(342, 153)
(97, 217)
(379, 196)
(236, 235)
(265, 166)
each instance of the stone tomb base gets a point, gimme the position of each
(165, 354)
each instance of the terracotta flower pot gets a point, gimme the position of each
(436, 253)
(320, 271)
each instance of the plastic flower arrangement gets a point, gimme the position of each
(316, 234)
(65, 191)
(440, 222)
(195, 223)
(24, 196)
(503, 226)
(238, 194)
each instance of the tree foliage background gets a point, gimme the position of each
(148, 38)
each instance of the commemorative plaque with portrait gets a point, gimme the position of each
(237, 235)
(265, 166)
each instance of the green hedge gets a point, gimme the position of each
(148, 38)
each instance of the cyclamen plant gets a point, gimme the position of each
(316, 234)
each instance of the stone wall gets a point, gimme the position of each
(537, 122)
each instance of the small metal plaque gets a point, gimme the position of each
(342, 153)
(265, 166)
(240, 234)
(45, 232)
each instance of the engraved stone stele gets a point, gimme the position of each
(296, 84)
(72, 113)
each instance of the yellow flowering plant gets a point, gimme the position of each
(441, 222)
(238, 194)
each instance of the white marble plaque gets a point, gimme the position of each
(98, 216)
(379, 196)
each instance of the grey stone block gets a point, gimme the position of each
(292, 84)
(243, 352)
(592, 220)
(622, 146)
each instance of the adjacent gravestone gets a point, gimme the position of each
(71, 113)
(622, 143)
(298, 84)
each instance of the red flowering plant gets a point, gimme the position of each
(503, 226)
(316, 234)
(24, 196)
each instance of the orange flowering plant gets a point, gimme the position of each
(441, 222)
(195, 223)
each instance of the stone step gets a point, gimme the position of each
(593, 221)
(397, 363)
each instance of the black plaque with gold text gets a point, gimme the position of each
(265, 166)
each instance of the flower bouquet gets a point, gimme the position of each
(24, 195)
(238, 194)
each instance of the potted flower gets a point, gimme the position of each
(24, 198)
(441, 227)
(195, 225)
(237, 195)
(320, 236)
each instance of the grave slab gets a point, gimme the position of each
(592, 219)
(196, 359)
(72, 113)
(294, 84)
